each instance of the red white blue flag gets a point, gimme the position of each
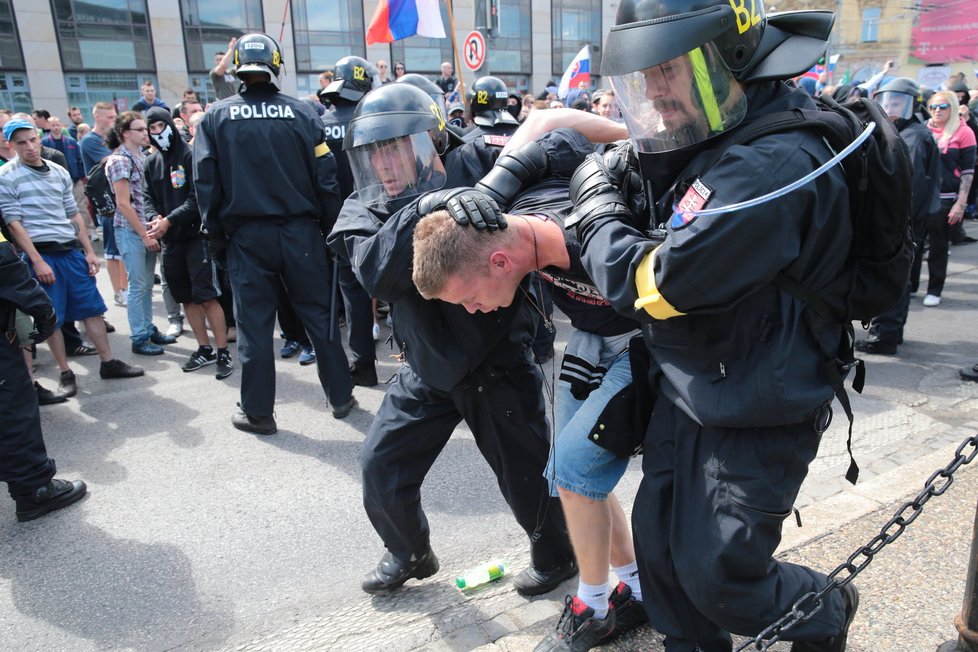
(578, 71)
(397, 19)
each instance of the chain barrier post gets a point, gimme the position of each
(967, 621)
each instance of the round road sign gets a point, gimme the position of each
(474, 50)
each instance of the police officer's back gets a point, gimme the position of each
(266, 186)
(491, 122)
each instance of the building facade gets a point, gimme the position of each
(60, 53)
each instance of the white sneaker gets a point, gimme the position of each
(932, 300)
(376, 331)
(122, 298)
(175, 329)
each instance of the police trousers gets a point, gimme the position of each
(706, 521)
(359, 318)
(505, 411)
(24, 462)
(260, 253)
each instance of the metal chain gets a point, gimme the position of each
(811, 603)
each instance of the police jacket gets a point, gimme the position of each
(442, 342)
(925, 185)
(168, 184)
(496, 136)
(335, 121)
(733, 349)
(259, 155)
(18, 289)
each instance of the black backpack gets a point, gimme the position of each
(99, 191)
(878, 175)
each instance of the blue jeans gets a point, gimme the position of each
(576, 463)
(140, 266)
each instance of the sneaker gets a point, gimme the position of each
(308, 355)
(145, 347)
(577, 630)
(109, 328)
(629, 612)
(342, 411)
(121, 298)
(67, 384)
(157, 280)
(175, 329)
(116, 368)
(850, 601)
(54, 495)
(969, 373)
(46, 397)
(203, 356)
(289, 349)
(224, 364)
(80, 350)
(232, 334)
(364, 374)
(156, 337)
(93, 236)
(376, 331)
(932, 300)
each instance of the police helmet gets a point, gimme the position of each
(900, 98)
(353, 77)
(428, 86)
(257, 53)
(487, 100)
(394, 143)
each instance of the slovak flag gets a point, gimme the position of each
(397, 19)
(578, 71)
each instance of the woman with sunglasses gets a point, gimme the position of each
(124, 170)
(399, 70)
(957, 144)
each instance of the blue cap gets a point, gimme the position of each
(14, 125)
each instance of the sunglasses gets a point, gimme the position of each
(942, 107)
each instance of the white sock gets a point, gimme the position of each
(629, 575)
(595, 596)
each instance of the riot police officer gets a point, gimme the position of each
(488, 98)
(267, 190)
(353, 77)
(24, 462)
(737, 371)
(459, 366)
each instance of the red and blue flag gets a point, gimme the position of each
(398, 19)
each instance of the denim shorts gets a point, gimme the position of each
(108, 238)
(73, 293)
(576, 463)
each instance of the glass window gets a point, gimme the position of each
(509, 51)
(576, 23)
(425, 55)
(11, 58)
(122, 89)
(326, 32)
(870, 25)
(208, 25)
(103, 35)
(15, 94)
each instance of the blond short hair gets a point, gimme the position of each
(443, 249)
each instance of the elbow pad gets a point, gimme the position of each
(514, 171)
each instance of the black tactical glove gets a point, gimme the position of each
(44, 325)
(467, 206)
(604, 187)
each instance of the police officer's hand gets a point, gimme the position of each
(44, 324)
(596, 194)
(467, 206)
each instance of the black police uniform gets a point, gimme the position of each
(266, 180)
(741, 398)
(359, 305)
(24, 462)
(925, 197)
(458, 367)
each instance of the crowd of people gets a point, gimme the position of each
(468, 218)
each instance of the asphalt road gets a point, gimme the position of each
(198, 536)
